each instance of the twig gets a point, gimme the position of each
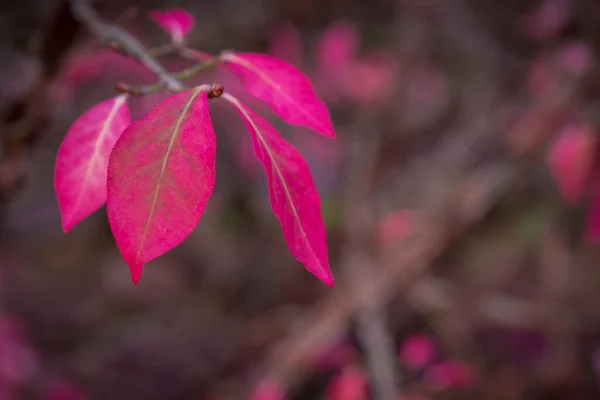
(108, 33)
(181, 75)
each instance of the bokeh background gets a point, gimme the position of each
(461, 197)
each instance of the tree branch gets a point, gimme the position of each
(109, 33)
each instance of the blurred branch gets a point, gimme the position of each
(108, 33)
(357, 263)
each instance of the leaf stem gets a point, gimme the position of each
(181, 75)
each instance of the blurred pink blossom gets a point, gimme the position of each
(571, 159)
(417, 351)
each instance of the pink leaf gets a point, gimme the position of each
(82, 160)
(176, 21)
(294, 199)
(284, 88)
(81, 68)
(160, 176)
(571, 159)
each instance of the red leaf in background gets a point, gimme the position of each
(160, 177)
(82, 160)
(284, 88)
(294, 199)
(570, 160)
(337, 47)
(81, 68)
(176, 21)
(349, 384)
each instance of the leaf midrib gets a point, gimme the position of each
(101, 138)
(283, 181)
(163, 169)
(272, 83)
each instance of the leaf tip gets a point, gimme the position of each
(136, 272)
(326, 278)
(67, 226)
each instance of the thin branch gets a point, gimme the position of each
(108, 33)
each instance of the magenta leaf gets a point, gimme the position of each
(160, 176)
(176, 21)
(294, 198)
(284, 88)
(82, 161)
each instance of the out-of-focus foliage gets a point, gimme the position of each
(486, 115)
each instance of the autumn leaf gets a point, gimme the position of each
(160, 177)
(176, 21)
(283, 87)
(82, 160)
(294, 198)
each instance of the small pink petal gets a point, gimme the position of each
(417, 351)
(176, 21)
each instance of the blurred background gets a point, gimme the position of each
(461, 198)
